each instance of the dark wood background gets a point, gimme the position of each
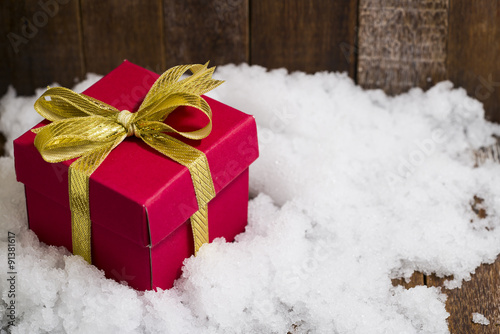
(389, 44)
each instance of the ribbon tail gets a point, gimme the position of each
(80, 213)
(197, 164)
(79, 200)
(199, 225)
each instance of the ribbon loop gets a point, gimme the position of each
(85, 128)
(58, 103)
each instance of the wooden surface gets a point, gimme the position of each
(43, 46)
(416, 279)
(481, 294)
(197, 31)
(388, 44)
(303, 35)
(474, 50)
(96, 36)
(6, 52)
(402, 44)
(109, 39)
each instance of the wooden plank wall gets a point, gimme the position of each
(402, 44)
(72, 37)
(303, 35)
(389, 44)
(395, 45)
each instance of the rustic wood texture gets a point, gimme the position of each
(416, 278)
(402, 44)
(115, 30)
(303, 35)
(473, 51)
(481, 294)
(5, 55)
(489, 153)
(40, 43)
(197, 31)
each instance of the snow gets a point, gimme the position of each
(352, 189)
(478, 318)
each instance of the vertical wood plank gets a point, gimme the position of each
(402, 44)
(474, 50)
(7, 11)
(42, 43)
(301, 35)
(115, 30)
(197, 31)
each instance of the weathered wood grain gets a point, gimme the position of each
(301, 35)
(197, 31)
(416, 278)
(41, 44)
(6, 9)
(402, 44)
(481, 294)
(115, 30)
(489, 153)
(474, 50)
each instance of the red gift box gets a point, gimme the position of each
(140, 200)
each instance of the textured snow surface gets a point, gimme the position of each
(352, 188)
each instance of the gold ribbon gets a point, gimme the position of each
(85, 128)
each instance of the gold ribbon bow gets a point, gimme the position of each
(85, 128)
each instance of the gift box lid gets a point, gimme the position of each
(137, 192)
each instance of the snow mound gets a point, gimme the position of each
(478, 318)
